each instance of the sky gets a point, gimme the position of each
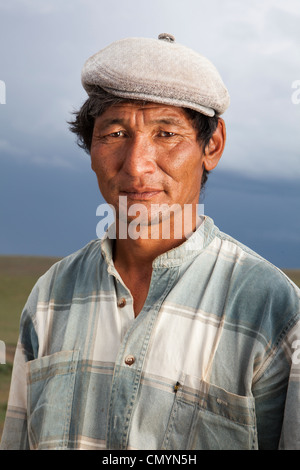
(48, 193)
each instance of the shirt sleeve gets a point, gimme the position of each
(15, 434)
(15, 427)
(290, 435)
(277, 396)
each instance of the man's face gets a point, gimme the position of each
(148, 153)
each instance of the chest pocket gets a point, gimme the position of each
(49, 418)
(206, 417)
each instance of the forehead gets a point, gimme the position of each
(148, 112)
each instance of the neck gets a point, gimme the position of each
(137, 253)
(133, 255)
(139, 245)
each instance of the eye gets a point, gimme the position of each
(116, 134)
(111, 137)
(166, 134)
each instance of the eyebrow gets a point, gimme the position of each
(172, 121)
(111, 121)
(167, 121)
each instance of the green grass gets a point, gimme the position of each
(5, 375)
(293, 274)
(18, 275)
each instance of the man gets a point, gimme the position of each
(147, 341)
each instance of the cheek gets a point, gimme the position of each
(186, 163)
(101, 171)
(97, 167)
(100, 164)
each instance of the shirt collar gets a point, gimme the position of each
(197, 242)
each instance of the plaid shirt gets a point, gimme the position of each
(210, 362)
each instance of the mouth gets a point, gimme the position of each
(142, 194)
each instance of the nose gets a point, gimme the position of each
(139, 156)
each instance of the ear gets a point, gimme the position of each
(215, 148)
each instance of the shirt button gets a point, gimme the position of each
(122, 303)
(129, 360)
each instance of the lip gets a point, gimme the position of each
(141, 194)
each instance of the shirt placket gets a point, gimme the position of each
(129, 364)
(125, 307)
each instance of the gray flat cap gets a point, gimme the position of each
(157, 70)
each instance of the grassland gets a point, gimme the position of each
(18, 275)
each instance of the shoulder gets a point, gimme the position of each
(248, 263)
(259, 291)
(72, 271)
(71, 278)
(87, 255)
